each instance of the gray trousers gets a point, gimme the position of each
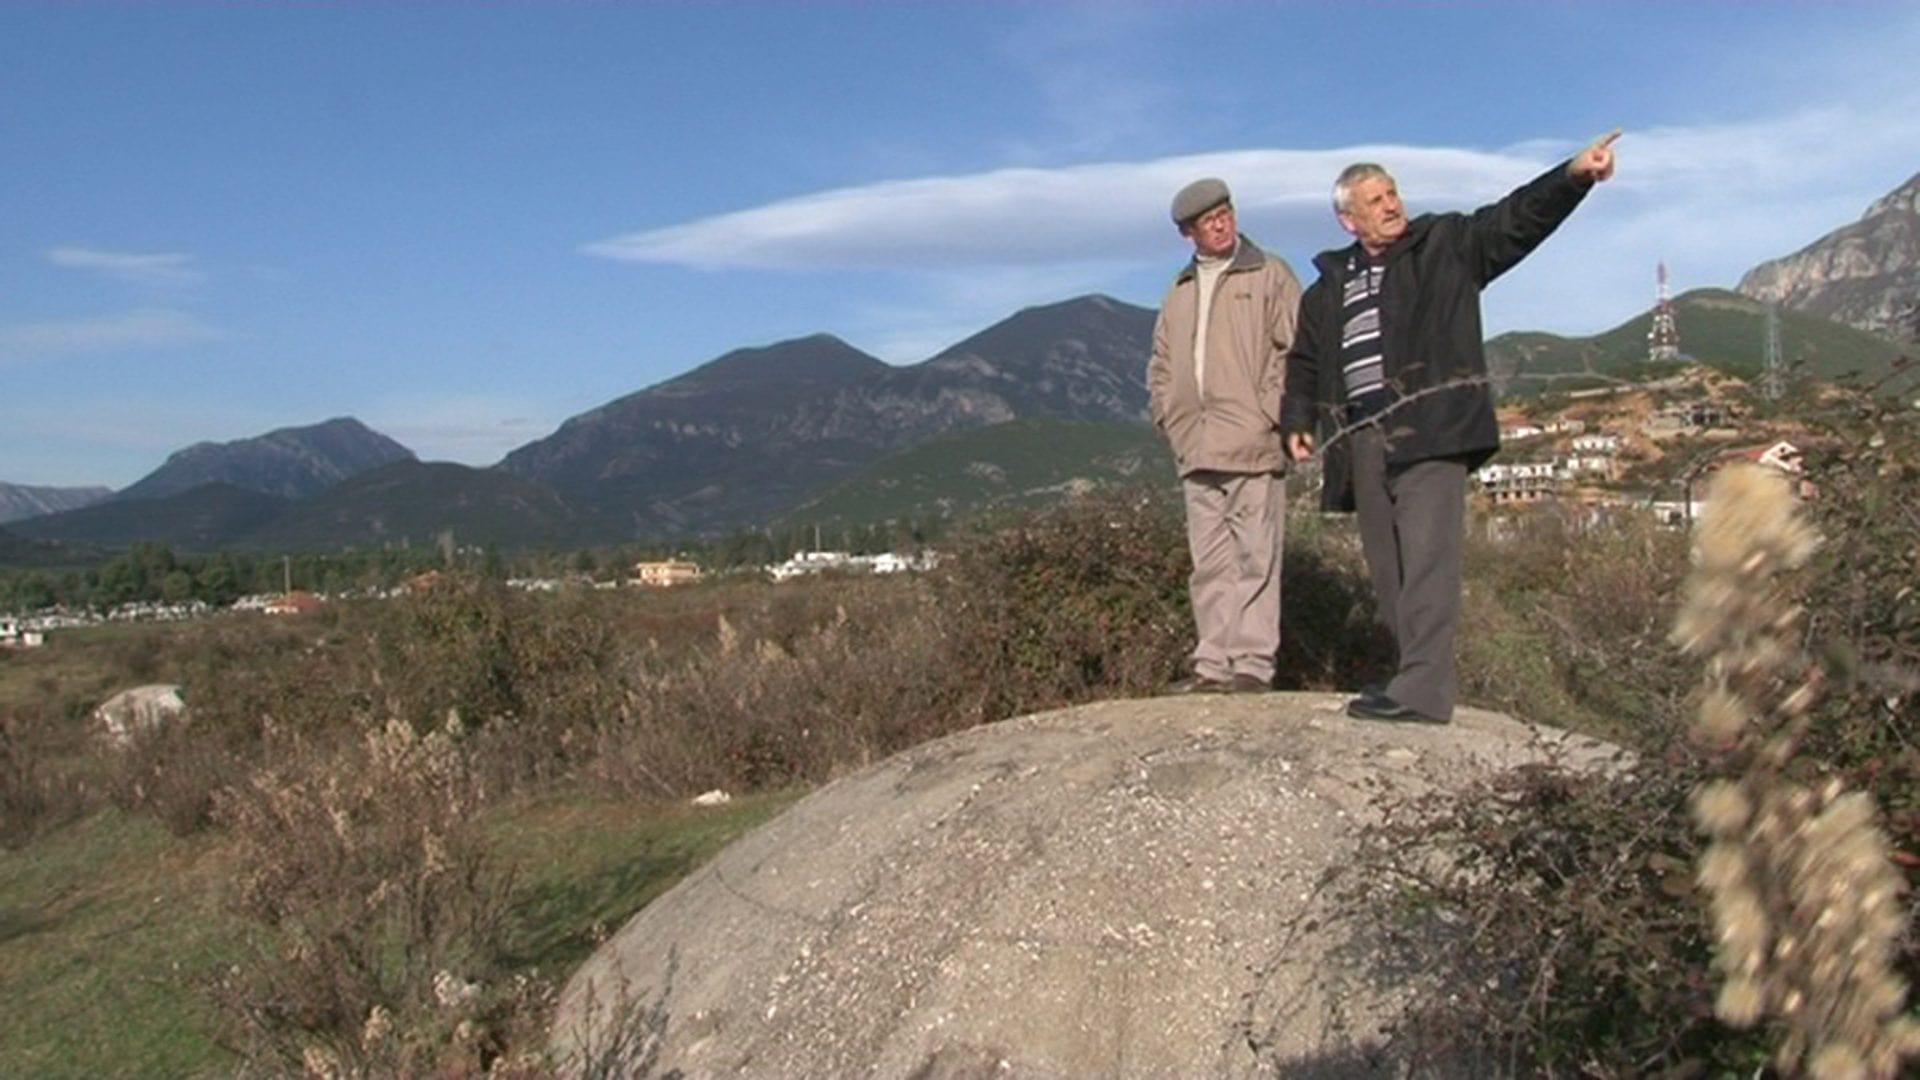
(1235, 528)
(1412, 522)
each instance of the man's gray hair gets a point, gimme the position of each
(1351, 175)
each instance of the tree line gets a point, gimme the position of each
(154, 573)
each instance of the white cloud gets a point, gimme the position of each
(1039, 217)
(1711, 199)
(162, 269)
(141, 328)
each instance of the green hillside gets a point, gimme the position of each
(1722, 329)
(204, 518)
(17, 550)
(415, 501)
(1020, 463)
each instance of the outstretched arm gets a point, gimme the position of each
(1500, 235)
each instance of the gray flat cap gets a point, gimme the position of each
(1197, 198)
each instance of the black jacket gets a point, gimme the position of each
(1430, 323)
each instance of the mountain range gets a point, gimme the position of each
(740, 438)
(732, 443)
(1047, 401)
(289, 463)
(19, 501)
(1865, 274)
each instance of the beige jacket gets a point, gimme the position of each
(1249, 329)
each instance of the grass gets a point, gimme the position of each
(588, 864)
(109, 926)
(82, 664)
(104, 926)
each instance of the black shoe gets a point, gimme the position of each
(1244, 683)
(1195, 684)
(1382, 707)
(1376, 688)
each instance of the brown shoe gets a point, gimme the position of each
(1195, 684)
(1244, 683)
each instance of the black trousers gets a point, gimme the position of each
(1412, 525)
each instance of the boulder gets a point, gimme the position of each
(1131, 888)
(134, 712)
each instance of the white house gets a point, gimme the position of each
(1518, 481)
(1596, 443)
(811, 562)
(666, 572)
(1578, 466)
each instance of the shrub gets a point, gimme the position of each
(1565, 622)
(765, 703)
(384, 916)
(39, 788)
(1086, 600)
(1552, 913)
(1558, 911)
(1330, 635)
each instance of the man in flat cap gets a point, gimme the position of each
(1218, 367)
(1388, 376)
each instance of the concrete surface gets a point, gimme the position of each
(1125, 889)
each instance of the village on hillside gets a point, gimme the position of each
(1647, 446)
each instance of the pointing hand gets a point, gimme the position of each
(1595, 163)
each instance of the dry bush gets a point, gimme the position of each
(1806, 901)
(1565, 622)
(1559, 912)
(243, 679)
(1083, 601)
(766, 703)
(1330, 635)
(384, 917)
(1547, 913)
(40, 788)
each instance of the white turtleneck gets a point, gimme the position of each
(1206, 275)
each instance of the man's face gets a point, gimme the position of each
(1374, 214)
(1213, 232)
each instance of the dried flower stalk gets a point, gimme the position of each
(1804, 898)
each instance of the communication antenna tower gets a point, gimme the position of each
(1663, 340)
(1773, 371)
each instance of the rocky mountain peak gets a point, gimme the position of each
(816, 358)
(290, 462)
(1904, 199)
(1865, 274)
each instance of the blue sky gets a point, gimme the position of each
(464, 225)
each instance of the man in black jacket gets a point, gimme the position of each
(1388, 376)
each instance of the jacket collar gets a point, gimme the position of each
(1334, 261)
(1246, 256)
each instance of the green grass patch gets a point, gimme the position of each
(109, 927)
(86, 664)
(106, 927)
(585, 865)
